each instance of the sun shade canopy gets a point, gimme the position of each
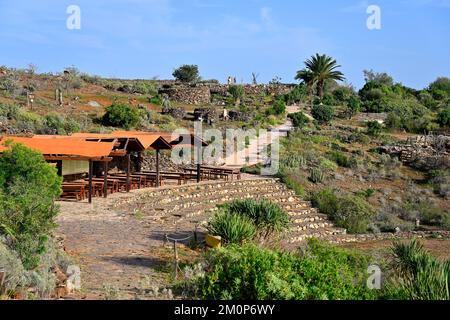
(132, 141)
(64, 149)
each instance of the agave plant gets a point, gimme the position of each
(232, 227)
(268, 217)
(419, 276)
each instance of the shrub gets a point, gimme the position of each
(278, 108)
(232, 227)
(252, 273)
(268, 217)
(350, 212)
(293, 161)
(326, 201)
(417, 274)
(354, 214)
(353, 106)
(374, 128)
(28, 188)
(187, 73)
(316, 175)
(341, 159)
(299, 120)
(237, 93)
(323, 114)
(121, 115)
(443, 118)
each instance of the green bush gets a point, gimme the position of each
(323, 114)
(417, 274)
(354, 214)
(278, 108)
(232, 227)
(350, 212)
(237, 93)
(28, 189)
(326, 201)
(340, 158)
(268, 217)
(251, 273)
(121, 115)
(316, 175)
(374, 128)
(443, 118)
(299, 120)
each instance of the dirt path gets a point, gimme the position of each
(252, 154)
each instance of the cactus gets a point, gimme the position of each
(317, 176)
(294, 161)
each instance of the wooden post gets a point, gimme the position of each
(199, 178)
(139, 162)
(128, 172)
(158, 180)
(91, 169)
(105, 179)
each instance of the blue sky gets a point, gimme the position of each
(147, 38)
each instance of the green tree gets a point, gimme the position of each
(121, 115)
(28, 189)
(187, 73)
(444, 118)
(441, 84)
(353, 106)
(319, 69)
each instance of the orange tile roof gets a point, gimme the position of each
(64, 147)
(147, 140)
(165, 135)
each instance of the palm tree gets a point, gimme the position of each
(308, 78)
(319, 69)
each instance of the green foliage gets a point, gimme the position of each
(441, 84)
(417, 274)
(316, 176)
(379, 78)
(251, 273)
(365, 193)
(351, 212)
(354, 213)
(237, 93)
(293, 161)
(319, 69)
(374, 128)
(443, 118)
(278, 108)
(187, 73)
(294, 182)
(299, 120)
(157, 100)
(323, 114)
(268, 217)
(121, 115)
(297, 95)
(28, 188)
(353, 106)
(232, 227)
(340, 158)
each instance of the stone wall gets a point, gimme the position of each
(202, 93)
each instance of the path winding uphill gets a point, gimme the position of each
(117, 241)
(252, 154)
